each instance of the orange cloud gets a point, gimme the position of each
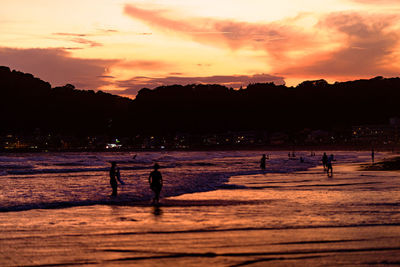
(78, 38)
(144, 65)
(368, 46)
(274, 37)
(357, 45)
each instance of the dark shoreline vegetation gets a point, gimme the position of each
(391, 164)
(313, 114)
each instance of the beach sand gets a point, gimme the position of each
(301, 219)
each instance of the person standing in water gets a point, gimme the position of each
(372, 155)
(324, 161)
(113, 180)
(156, 183)
(329, 167)
(262, 162)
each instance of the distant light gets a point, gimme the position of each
(109, 146)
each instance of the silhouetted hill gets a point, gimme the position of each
(29, 103)
(312, 104)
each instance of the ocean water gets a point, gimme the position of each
(51, 180)
(217, 208)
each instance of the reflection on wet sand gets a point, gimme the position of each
(302, 218)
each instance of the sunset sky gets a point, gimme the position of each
(123, 46)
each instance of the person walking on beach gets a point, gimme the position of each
(262, 162)
(113, 180)
(156, 183)
(324, 161)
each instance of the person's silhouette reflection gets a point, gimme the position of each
(157, 211)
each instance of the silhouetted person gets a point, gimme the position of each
(156, 183)
(301, 159)
(329, 169)
(113, 181)
(324, 161)
(262, 162)
(372, 155)
(118, 175)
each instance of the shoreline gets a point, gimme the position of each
(390, 164)
(124, 201)
(306, 148)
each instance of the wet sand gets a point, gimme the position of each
(302, 219)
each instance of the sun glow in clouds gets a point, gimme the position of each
(108, 44)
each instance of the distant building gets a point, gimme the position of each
(378, 134)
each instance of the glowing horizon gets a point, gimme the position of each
(122, 46)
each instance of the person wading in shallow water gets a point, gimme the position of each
(156, 183)
(329, 169)
(113, 180)
(324, 161)
(262, 162)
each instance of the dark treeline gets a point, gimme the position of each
(28, 103)
(270, 107)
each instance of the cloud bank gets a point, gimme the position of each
(346, 44)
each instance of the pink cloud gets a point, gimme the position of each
(273, 37)
(56, 66)
(367, 42)
(85, 41)
(144, 65)
(80, 38)
(367, 49)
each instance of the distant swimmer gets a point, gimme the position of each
(324, 161)
(372, 155)
(113, 181)
(329, 169)
(262, 162)
(156, 183)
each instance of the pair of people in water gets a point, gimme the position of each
(327, 164)
(155, 181)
